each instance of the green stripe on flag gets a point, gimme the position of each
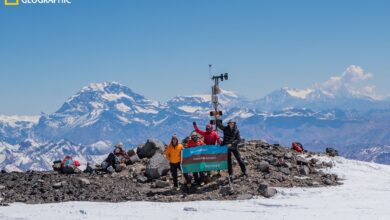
(200, 167)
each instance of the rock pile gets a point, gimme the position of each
(268, 166)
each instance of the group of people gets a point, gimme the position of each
(119, 158)
(231, 139)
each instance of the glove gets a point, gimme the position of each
(194, 123)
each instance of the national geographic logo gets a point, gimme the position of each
(30, 2)
(11, 2)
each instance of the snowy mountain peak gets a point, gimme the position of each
(298, 93)
(100, 86)
(200, 104)
(105, 96)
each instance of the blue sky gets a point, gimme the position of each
(162, 48)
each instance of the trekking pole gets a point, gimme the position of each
(230, 182)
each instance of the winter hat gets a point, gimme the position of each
(231, 121)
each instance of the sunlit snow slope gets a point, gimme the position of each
(364, 195)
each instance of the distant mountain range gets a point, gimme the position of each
(90, 122)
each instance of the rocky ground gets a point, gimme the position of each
(268, 166)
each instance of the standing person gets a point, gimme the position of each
(211, 137)
(173, 154)
(231, 138)
(194, 142)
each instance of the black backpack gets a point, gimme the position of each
(331, 152)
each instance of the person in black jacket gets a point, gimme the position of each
(231, 138)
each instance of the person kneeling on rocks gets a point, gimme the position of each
(173, 154)
(116, 160)
(69, 166)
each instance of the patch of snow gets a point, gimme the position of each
(299, 93)
(122, 107)
(98, 87)
(142, 121)
(229, 93)
(190, 109)
(2, 157)
(123, 119)
(96, 104)
(115, 96)
(145, 110)
(11, 168)
(13, 119)
(203, 98)
(364, 195)
(160, 121)
(101, 145)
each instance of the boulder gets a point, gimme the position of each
(157, 166)
(328, 164)
(57, 185)
(328, 182)
(301, 161)
(266, 191)
(314, 160)
(263, 166)
(2, 187)
(244, 197)
(141, 179)
(149, 149)
(277, 176)
(304, 170)
(288, 155)
(83, 181)
(285, 170)
(287, 164)
(226, 190)
(161, 184)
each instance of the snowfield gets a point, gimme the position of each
(364, 195)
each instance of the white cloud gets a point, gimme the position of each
(353, 81)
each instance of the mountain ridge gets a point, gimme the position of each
(102, 114)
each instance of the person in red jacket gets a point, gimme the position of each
(195, 141)
(210, 136)
(69, 166)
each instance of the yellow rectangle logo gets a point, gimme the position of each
(11, 2)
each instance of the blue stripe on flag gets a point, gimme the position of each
(204, 149)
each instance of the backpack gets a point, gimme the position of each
(331, 152)
(57, 165)
(69, 163)
(297, 147)
(68, 166)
